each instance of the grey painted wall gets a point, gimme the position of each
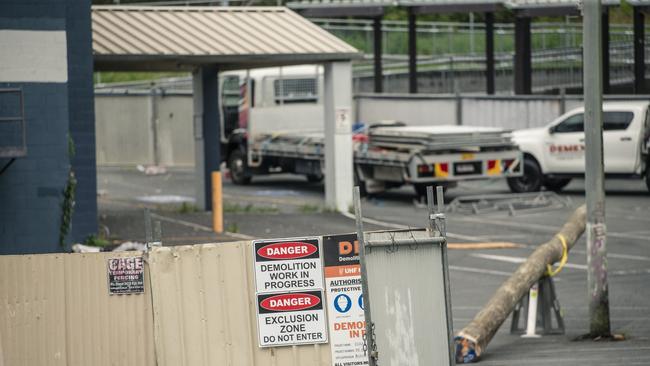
(125, 130)
(60, 105)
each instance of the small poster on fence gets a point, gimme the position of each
(125, 275)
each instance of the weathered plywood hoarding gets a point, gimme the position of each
(198, 308)
(56, 311)
(204, 310)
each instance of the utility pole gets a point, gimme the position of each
(594, 180)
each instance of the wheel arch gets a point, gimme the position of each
(534, 157)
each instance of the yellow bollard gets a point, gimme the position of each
(217, 203)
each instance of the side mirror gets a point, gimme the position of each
(551, 130)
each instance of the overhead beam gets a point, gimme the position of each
(523, 67)
(412, 50)
(342, 11)
(377, 51)
(450, 8)
(489, 53)
(548, 11)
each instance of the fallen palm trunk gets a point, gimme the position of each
(474, 338)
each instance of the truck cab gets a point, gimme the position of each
(259, 103)
(555, 154)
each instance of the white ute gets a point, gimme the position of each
(556, 153)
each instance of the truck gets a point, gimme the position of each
(555, 154)
(276, 126)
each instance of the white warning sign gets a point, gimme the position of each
(288, 265)
(294, 318)
(347, 323)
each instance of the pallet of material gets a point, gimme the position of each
(439, 137)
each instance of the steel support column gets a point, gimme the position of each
(377, 50)
(639, 50)
(413, 52)
(605, 51)
(523, 69)
(598, 291)
(489, 53)
(207, 139)
(338, 134)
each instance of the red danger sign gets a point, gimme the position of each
(290, 302)
(288, 265)
(289, 250)
(291, 318)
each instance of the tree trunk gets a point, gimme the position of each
(474, 338)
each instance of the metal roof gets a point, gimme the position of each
(179, 38)
(550, 7)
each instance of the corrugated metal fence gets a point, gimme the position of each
(198, 309)
(152, 127)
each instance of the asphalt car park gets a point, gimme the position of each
(286, 206)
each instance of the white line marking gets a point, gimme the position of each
(509, 259)
(617, 256)
(400, 226)
(630, 272)
(481, 271)
(483, 238)
(539, 227)
(200, 227)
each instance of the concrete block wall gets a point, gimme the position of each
(82, 117)
(58, 102)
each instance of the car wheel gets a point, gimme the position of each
(556, 184)
(239, 168)
(531, 181)
(647, 176)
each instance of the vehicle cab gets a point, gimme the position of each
(556, 153)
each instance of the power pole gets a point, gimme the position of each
(594, 180)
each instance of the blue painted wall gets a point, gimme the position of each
(31, 189)
(82, 117)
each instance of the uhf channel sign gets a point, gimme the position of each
(289, 292)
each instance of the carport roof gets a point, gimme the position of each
(181, 38)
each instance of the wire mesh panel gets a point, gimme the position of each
(12, 124)
(296, 90)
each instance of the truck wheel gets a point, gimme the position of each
(556, 184)
(314, 178)
(531, 181)
(238, 168)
